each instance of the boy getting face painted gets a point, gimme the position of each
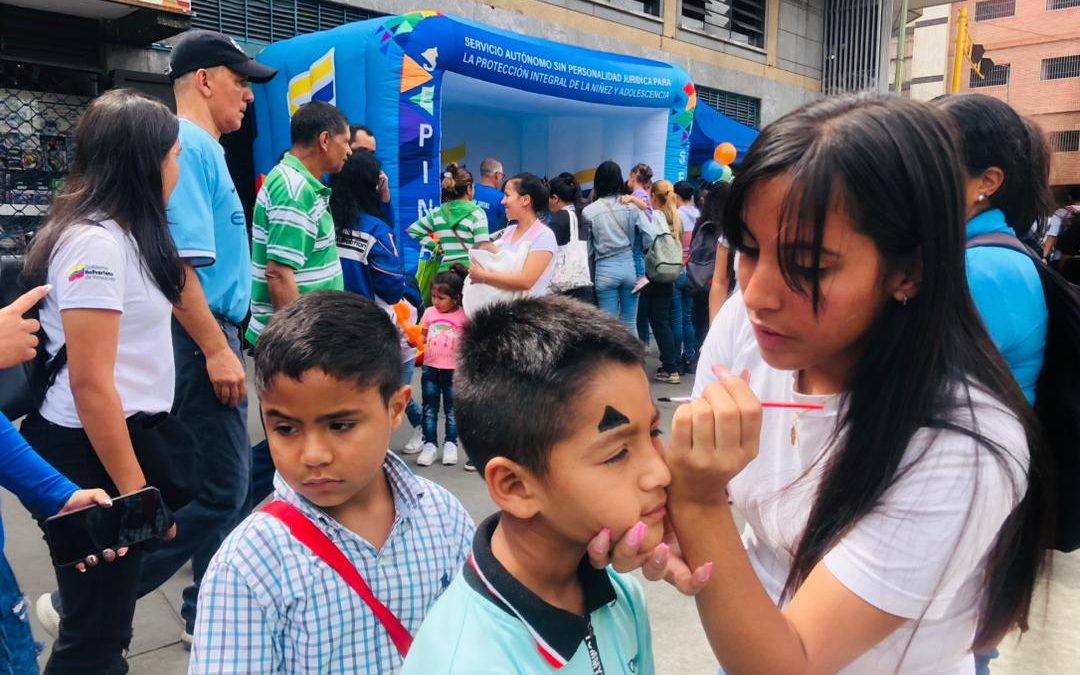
(554, 407)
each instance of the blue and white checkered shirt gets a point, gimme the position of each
(267, 604)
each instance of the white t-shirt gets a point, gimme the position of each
(920, 553)
(544, 240)
(96, 267)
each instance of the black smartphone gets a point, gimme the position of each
(131, 519)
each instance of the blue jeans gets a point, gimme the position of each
(436, 383)
(203, 524)
(412, 410)
(18, 650)
(983, 659)
(682, 320)
(615, 279)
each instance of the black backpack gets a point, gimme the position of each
(701, 262)
(23, 386)
(1057, 392)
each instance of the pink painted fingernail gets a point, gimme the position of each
(721, 371)
(661, 554)
(702, 574)
(636, 535)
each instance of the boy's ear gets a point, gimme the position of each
(512, 487)
(399, 400)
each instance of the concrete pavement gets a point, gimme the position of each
(1051, 647)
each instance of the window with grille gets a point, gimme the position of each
(1061, 67)
(650, 7)
(997, 77)
(272, 20)
(738, 20)
(994, 9)
(1062, 4)
(1065, 141)
(745, 109)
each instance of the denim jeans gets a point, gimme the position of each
(412, 410)
(682, 320)
(659, 302)
(436, 383)
(18, 649)
(615, 279)
(203, 524)
(96, 607)
(983, 659)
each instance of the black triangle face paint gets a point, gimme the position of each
(612, 419)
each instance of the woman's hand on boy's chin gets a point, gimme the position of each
(713, 438)
(665, 561)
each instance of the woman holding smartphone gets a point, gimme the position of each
(107, 252)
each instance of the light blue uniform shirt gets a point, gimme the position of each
(1009, 295)
(208, 226)
(490, 199)
(489, 623)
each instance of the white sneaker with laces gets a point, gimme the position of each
(427, 455)
(47, 615)
(415, 444)
(449, 453)
(186, 639)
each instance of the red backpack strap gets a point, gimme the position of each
(308, 534)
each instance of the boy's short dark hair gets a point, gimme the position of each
(312, 119)
(346, 335)
(521, 369)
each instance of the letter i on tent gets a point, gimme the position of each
(314, 84)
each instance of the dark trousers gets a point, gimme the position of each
(435, 384)
(262, 476)
(204, 523)
(701, 318)
(643, 315)
(97, 606)
(658, 304)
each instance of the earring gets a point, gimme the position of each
(982, 197)
(903, 299)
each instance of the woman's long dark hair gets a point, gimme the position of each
(566, 188)
(995, 135)
(355, 190)
(608, 181)
(120, 143)
(893, 166)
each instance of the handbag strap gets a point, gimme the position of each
(308, 534)
(573, 225)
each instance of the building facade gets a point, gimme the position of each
(1035, 47)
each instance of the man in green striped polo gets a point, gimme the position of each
(292, 249)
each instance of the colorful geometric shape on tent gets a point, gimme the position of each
(412, 74)
(425, 99)
(455, 154)
(314, 84)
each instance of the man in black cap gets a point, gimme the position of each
(210, 75)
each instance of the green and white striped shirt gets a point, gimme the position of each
(458, 226)
(291, 226)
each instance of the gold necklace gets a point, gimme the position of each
(795, 427)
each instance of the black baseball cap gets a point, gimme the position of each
(206, 49)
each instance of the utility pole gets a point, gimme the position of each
(960, 48)
(901, 47)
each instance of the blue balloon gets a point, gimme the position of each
(712, 170)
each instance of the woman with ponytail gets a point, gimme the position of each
(456, 226)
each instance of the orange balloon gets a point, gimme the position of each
(725, 153)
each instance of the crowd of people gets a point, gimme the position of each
(865, 367)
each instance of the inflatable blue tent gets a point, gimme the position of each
(711, 128)
(435, 88)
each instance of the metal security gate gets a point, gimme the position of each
(856, 41)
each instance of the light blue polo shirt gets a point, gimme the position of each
(490, 199)
(489, 623)
(207, 223)
(1006, 288)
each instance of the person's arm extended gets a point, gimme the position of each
(718, 289)
(225, 370)
(1048, 245)
(91, 367)
(530, 273)
(826, 626)
(421, 232)
(281, 280)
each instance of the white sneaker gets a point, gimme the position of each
(427, 455)
(47, 615)
(186, 639)
(415, 444)
(449, 453)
